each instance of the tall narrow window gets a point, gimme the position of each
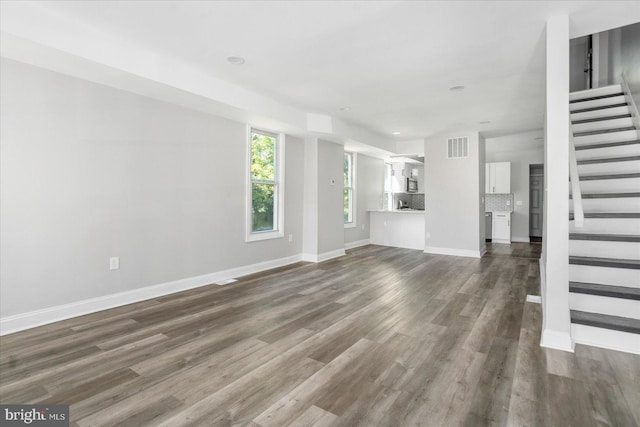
(349, 186)
(265, 193)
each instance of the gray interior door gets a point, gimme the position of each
(536, 195)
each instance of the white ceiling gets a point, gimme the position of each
(391, 62)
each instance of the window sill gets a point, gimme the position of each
(265, 235)
(350, 225)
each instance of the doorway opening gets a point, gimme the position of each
(536, 200)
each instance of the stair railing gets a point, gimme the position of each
(576, 193)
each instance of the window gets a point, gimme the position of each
(387, 196)
(265, 192)
(349, 187)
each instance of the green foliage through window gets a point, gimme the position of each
(264, 185)
(348, 188)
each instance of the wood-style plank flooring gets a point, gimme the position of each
(382, 336)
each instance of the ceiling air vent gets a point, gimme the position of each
(458, 147)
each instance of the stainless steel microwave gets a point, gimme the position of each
(412, 185)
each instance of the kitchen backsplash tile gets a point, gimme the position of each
(498, 202)
(414, 201)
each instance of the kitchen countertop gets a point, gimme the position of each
(402, 211)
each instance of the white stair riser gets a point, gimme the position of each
(597, 103)
(609, 168)
(604, 249)
(609, 152)
(603, 124)
(627, 135)
(621, 204)
(606, 338)
(604, 275)
(607, 226)
(591, 93)
(625, 185)
(596, 114)
(605, 305)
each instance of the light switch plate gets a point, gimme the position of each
(114, 263)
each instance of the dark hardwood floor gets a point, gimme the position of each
(382, 336)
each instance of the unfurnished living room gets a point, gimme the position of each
(319, 213)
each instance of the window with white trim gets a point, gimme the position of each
(265, 185)
(349, 190)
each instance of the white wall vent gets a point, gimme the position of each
(458, 147)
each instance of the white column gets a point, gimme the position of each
(556, 331)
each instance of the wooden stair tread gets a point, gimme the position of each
(605, 262)
(611, 176)
(605, 321)
(601, 119)
(610, 215)
(603, 131)
(611, 291)
(606, 145)
(605, 237)
(603, 107)
(607, 195)
(593, 98)
(609, 160)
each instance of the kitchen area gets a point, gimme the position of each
(401, 222)
(498, 205)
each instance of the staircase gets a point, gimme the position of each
(604, 254)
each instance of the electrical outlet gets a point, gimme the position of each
(114, 263)
(508, 202)
(428, 234)
(290, 238)
(362, 227)
(519, 202)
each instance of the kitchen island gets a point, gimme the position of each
(402, 228)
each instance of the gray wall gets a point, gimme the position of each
(452, 195)
(369, 186)
(330, 209)
(630, 59)
(89, 172)
(521, 150)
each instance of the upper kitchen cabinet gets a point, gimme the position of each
(498, 177)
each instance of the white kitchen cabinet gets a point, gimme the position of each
(497, 177)
(501, 232)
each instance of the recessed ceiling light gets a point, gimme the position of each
(235, 60)
(345, 108)
(486, 122)
(395, 132)
(456, 88)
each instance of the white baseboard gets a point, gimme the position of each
(453, 252)
(19, 322)
(324, 256)
(521, 239)
(357, 244)
(606, 338)
(557, 340)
